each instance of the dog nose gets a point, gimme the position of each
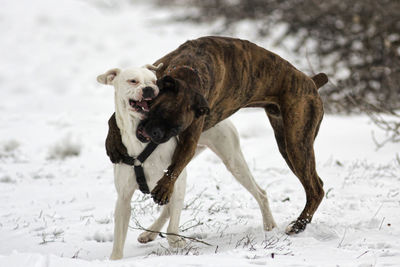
(156, 134)
(148, 92)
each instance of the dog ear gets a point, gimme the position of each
(201, 106)
(167, 83)
(108, 77)
(153, 68)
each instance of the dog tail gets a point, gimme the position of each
(320, 79)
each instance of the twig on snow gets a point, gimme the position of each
(139, 227)
(377, 211)
(341, 241)
(380, 226)
(365, 252)
(192, 226)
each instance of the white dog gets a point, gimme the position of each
(133, 87)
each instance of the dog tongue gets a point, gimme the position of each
(143, 104)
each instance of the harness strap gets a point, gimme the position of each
(147, 151)
(137, 164)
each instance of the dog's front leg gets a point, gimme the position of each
(125, 185)
(184, 152)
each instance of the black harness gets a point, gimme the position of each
(137, 164)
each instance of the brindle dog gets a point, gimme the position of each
(208, 79)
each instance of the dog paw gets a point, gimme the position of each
(161, 194)
(176, 242)
(297, 226)
(146, 237)
(268, 226)
(116, 256)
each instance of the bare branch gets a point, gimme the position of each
(139, 227)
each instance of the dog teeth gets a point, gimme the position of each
(145, 109)
(139, 105)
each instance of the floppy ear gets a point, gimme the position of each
(167, 83)
(108, 77)
(201, 106)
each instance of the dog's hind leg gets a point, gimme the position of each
(148, 236)
(223, 140)
(277, 126)
(301, 119)
(125, 185)
(173, 211)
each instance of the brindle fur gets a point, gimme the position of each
(231, 74)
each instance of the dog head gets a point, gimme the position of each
(134, 88)
(174, 110)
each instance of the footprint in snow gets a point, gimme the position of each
(320, 232)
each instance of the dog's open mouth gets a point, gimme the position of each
(141, 133)
(140, 106)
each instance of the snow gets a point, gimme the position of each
(56, 185)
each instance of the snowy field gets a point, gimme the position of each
(56, 185)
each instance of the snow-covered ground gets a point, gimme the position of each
(56, 184)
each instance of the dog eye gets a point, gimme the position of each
(133, 81)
